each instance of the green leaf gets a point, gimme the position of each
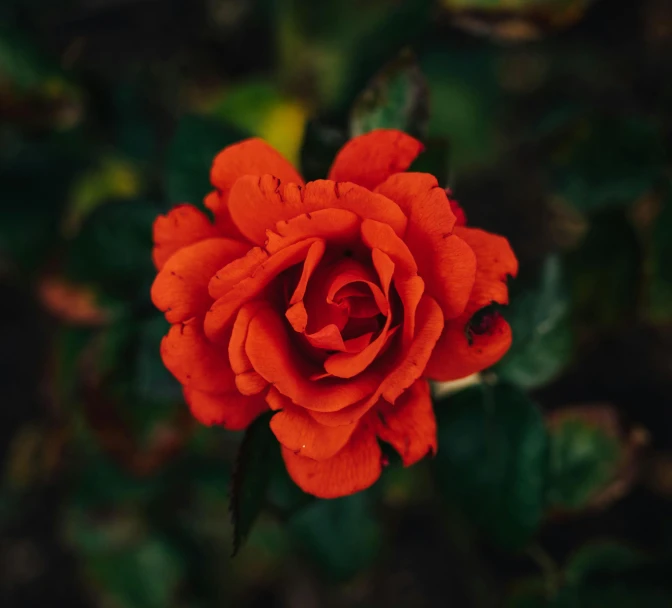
(492, 460)
(342, 536)
(542, 333)
(196, 142)
(112, 250)
(606, 557)
(584, 458)
(396, 98)
(607, 162)
(251, 477)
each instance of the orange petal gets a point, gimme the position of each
(226, 278)
(347, 415)
(259, 204)
(181, 287)
(349, 271)
(195, 361)
(238, 358)
(297, 317)
(495, 263)
(370, 159)
(275, 358)
(457, 355)
(301, 434)
(458, 212)
(333, 225)
(409, 425)
(410, 290)
(355, 467)
(183, 225)
(250, 383)
(381, 236)
(249, 157)
(429, 324)
(221, 312)
(232, 410)
(313, 258)
(327, 338)
(444, 261)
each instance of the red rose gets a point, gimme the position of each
(330, 302)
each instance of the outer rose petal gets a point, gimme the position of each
(180, 290)
(445, 262)
(495, 263)
(195, 361)
(183, 225)
(257, 204)
(300, 433)
(409, 425)
(454, 357)
(370, 159)
(232, 410)
(355, 467)
(249, 157)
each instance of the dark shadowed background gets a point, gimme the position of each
(551, 122)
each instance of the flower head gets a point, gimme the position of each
(330, 302)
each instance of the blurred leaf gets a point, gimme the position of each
(261, 109)
(659, 284)
(604, 274)
(608, 162)
(112, 250)
(606, 557)
(585, 455)
(542, 333)
(196, 142)
(342, 536)
(492, 460)
(435, 160)
(321, 142)
(251, 477)
(396, 98)
(283, 494)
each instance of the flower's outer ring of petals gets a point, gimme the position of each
(458, 212)
(221, 312)
(250, 383)
(454, 357)
(409, 425)
(216, 202)
(180, 290)
(274, 358)
(336, 226)
(257, 204)
(355, 467)
(376, 235)
(297, 431)
(250, 157)
(368, 160)
(347, 415)
(444, 261)
(495, 263)
(226, 278)
(231, 410)
(429, 325)
(183, 225)
(195, 361)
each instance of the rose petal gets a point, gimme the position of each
(183, 225)
(180, 290)
(276, 360)
(409, 425)
(301, 434)
(232, 410)
(355, 467)
(194, 360)
(445, 262)
(258, 204)
(226, 278)
(370, 159)
(381, 236)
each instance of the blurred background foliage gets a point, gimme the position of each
(549, 119)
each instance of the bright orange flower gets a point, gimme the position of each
(330, 302)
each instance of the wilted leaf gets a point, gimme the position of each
(342, 536)
(492, 460)
(542, 332)
(251, 477)
(396, 98)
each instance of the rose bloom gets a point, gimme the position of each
(330, 302)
